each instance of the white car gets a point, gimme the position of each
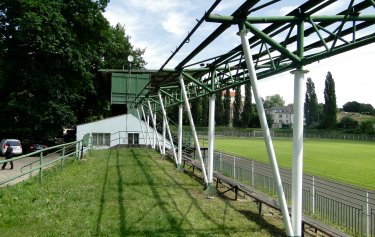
(14, 143)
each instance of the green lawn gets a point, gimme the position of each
(126, 192)
(348, 161)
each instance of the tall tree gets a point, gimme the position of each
(196, 110)
(237, 107)
(226, 105)
(219, 109)
(273, 100)
(247, 111)
(49, 58)
(311, 104)
(204, 117)
(330, 107)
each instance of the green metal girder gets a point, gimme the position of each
(214, 77)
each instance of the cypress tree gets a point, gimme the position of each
(330, 107)
(226, 105)
(219, 110)
(237, 105)
(311, 104)
(247, 111)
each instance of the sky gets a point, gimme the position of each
(160, 26)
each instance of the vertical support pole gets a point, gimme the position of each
(168, 130)
(148, 141)
(193, 131)
(313, 195)
(368, 215)
(211, 138)
(211, 142)
(266, 132)
(41, 167)
(140, 123)
(252, 173)
(155, 134)
(297, 171)
(180, 114)
(164, 128)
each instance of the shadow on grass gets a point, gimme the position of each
(102, 197)
(177, 218)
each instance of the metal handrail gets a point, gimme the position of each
(77, 145)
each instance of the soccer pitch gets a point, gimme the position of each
(351, 162)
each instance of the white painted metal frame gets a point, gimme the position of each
(154, 124)
(148, 139)
(297, 171)
(211, 139)
(266, 132)
(180, 117)
(168, 130)
(140, 123)
(193, 131)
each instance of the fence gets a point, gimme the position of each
(348, 207)
(234, 133)
(38, 160)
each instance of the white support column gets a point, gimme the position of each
(193, 131)
(148, 140)
(168, 130)
(180, 116)
(155, 133)
(266, 132)
(299, 76)
(164, 128)
(211, 139)
(140, 123)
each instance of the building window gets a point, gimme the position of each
(280, 116)
(133, 138)
(101, 139)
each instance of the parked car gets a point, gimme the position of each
(14, 143)
(36, 146)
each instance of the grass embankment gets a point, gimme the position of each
(347, 161)
(125, 192)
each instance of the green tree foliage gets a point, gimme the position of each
(204, 115)
(219, 109)
(356, 107)
(367, 126)
(50, 54)
(311, 104)
(196, 110)
(247, 112)
(330, 107)
(348, 122)
(273, 100)
(226, 106)
(237, 106)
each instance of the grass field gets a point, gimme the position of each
(347, 161)
(126, 192)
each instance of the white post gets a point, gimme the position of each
(164, 128)
(140, 122)
(368, 219)
(266, 133)
(148, 140)
(155, 133)
(297, 170)
(168, 130)
(180, 114)
(313, 195)
(211, 139)
(193, 131)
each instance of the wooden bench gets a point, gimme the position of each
(261, 199)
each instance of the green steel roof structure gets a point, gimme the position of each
(279, 43)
